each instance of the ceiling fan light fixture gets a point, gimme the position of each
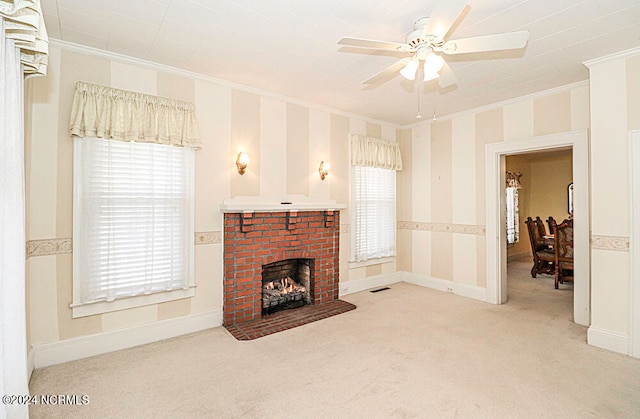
(433, 63)
(430, 75)
(409, 71)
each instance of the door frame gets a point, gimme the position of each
(634, 248)
(496, 242)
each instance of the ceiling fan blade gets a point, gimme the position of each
(443, 16)
(387, 72)
(368, 43)
(511, 40)
(447, 77)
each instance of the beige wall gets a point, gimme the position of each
(285, 142)
(615, 109)
(550, 177)
(446, 227)
(441, 208)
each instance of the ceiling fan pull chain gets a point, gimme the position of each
(434, 102)
(418, 116)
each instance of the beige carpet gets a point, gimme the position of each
(408, 352)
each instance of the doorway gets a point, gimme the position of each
(538, 187)
(496, 255)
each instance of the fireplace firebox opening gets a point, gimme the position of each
(286, 284)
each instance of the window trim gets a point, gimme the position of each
(123, 303)
(353, 264)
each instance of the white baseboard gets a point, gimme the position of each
(357, 285)
(463, 290)
(82, 347)
(30, 363)
(91, 345)
(607, 339)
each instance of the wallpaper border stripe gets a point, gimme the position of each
(48, 247)
(615, 243)
(478, 230)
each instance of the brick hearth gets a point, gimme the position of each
(254, 239)
(287, 319)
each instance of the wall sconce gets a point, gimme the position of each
(242, 161)
(324, 169)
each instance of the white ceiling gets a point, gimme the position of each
(289, 47)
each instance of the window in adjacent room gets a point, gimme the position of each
(513, 217)
(513, 233)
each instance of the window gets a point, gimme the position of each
(513, 217)
(375, 213)
(133, 224)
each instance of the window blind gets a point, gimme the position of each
(133, 219)
(375, 213)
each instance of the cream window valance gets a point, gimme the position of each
(374, 152)
(115, 114)
(23, 23)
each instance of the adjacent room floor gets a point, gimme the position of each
(405, 352)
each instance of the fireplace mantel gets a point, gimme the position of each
(279, 204)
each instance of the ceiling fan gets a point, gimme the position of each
(429, 40)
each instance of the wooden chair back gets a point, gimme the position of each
(535, 236)
(552, 224)
(564, 251)
(541, 228)
(564, 240)
(543, 257)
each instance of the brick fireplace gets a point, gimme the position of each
(259, 235)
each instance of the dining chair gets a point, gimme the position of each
(543, 256)
(541, 228)
(552, 224)
(564, 252)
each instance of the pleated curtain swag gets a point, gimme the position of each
(375, 152)
(24, 25)
(114, 114)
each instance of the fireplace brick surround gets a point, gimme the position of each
(256, 238)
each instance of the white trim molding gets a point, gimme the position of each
(357, 285)
(615, 56)
(609, 340)
(632, 244)
(496, 241)
(492, 106)
(83, 49)
(91, 345)
(464, 290)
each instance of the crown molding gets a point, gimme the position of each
(504, 103)
(69, 46)
(615, 56)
